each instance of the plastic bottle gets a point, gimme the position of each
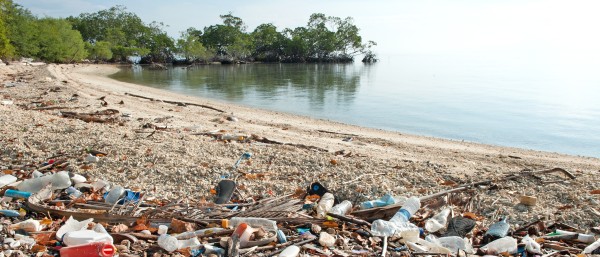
(326, 240)
(342, 208)
(453, 243)
(281, 238)
(189, 243)
(95, 249)
(7, 179)
(60, 180)
(36, 174)
(290, 251)
(498, 229)
(505, 244)
(73, 192)
(78, 179)
(81, 237)
(594, 248)
(17, 194)
(584, 238)
(325, 205)
(114, 195)
(213, 249)
(267, 224)
(10, 213)
(168, 243)
(531, 245)
(29, 225)
(399, 223)
(438, 221)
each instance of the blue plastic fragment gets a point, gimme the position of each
(9, 213)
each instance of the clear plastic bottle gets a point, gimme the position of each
(438, 221)
(584, 238)
(453, 243)
(342, 208)
(267, 224)
(399, 224)
(505, 244)
(498, 229)
(60, 180)
(213, 249)
(7, 179)
(192, 243)
(168, 243)
(325, 205)
(385, 200)
(114, 195)
(73, 192)
(290, 251)
(162, 229)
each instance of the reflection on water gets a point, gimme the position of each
(530, 103)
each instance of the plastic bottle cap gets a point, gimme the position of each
(108, 250)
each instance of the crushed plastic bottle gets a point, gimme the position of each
(72, 225)
(342, 208)
(325, 205)
(73, 192)
(399, 225)
(438, 221)
(6, 180)
(497, 230)
(114, 195)
(459, 226)
(385, 200)
(505, 244)
(453, 243)
(168, 243)
(81, 237)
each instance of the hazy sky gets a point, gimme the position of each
(566, 28)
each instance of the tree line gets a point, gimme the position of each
(114, 35)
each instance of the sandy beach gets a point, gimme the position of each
(174, 151)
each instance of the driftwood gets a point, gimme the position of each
(268, 141)
(176, 103)
(336, 133)
(388, 211)
(350, 219)
(98, 117)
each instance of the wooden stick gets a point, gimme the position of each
(356, 221)
(177, 103)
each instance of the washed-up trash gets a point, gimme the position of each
(114, 195)
(438, 221)
(326, 240)
(325, 205)
(317, 189)
(81, 237)
(95, 249)
(60, 180)
(91, 158)
(290, 251)
(385, 200)
(496, 231)
(17, 194)
(502, 245)
(452, 243)
(162, 229)
(266, 224)
(399, 224)
(459, 226)
(168, 242)
(10, 213)
(342, 208)
(190, 234)
(594, 248)
(584, 238)
(7, 180)
(72, 225)
(531, 245)
(29, 225)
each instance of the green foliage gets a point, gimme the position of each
(6, 49)
(58, 42)
(99, 51)
(191, 48)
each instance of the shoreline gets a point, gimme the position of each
(171, 151)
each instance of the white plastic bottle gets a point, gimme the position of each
(325, 205)
(399, 224)
(168, 242)
(114, 195)
(593, 247)
(342, 208)
(290, 251)
(438, 221)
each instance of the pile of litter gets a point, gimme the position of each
(50, 211)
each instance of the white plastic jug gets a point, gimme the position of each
(81, 237)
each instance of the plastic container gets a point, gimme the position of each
(192, 243)
(438, 221)
(60, 180)
(168, 243)
(594, 248)
(505, 244)
(17, 194)
(162, 229)
(114, 195)
(267, 224)
(498, 229)
(342, 208)
(72, 225)
(29, 225)
(453, 243)
(7, 180)
(399, 224)
(290, 251)
(81, 237)
(531, 245)
(36, 174)
(326, 240)
(281, 238)
(96, 249)
(459, 226)
(73, 192)
(78, 179)
(325, 205)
